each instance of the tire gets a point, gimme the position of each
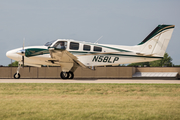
(71, 75)
(64, 75)
(17, 76)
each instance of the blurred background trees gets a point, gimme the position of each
(14, 64)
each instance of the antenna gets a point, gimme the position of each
(98, 39)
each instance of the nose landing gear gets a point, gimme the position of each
(67, 75)
(17, 75)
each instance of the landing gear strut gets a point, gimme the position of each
(67, 75)
(17, 75)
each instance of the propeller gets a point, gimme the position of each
(22, 53)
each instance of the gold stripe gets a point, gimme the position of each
(166, 27)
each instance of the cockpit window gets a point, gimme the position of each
(50, 43)
(61, 45)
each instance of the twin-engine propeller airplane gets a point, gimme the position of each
(69, 54)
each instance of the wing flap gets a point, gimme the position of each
(65, 56)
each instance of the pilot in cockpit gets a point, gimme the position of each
(60, 45)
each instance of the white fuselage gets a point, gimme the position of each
(109, 55)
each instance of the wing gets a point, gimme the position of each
(63, 56)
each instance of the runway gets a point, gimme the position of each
(89, 81)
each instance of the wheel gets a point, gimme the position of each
(71, 75)
(64, 75)
(16, 76)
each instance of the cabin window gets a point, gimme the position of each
(74, 46)
(87, 47)
(99, 49)
(61, 45)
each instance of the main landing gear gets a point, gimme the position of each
(67, 75)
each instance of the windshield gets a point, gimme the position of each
(49, 43)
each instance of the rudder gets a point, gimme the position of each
(156, 42)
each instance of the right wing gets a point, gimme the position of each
(63, 56)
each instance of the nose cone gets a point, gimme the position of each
(9, 54)
(13, 55)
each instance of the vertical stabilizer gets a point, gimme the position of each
(156, 42)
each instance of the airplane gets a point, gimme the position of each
(70, 54)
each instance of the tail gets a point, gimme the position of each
(156, 42)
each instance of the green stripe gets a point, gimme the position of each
(117, 49)
(82, 52)
(87, 53)
(157, 30)
(121, 50)
(135, 56)
(35, 51)
(39, 51)
(57, 48)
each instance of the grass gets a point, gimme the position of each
(89, 101)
